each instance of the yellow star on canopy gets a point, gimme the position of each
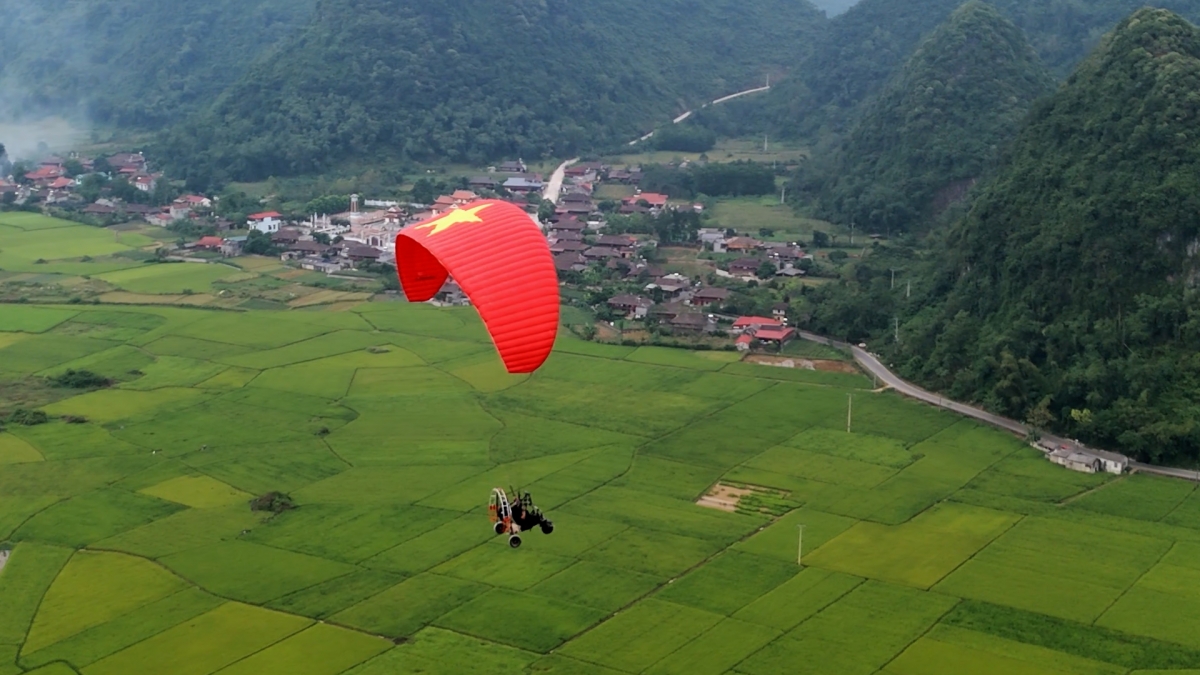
(454, 217)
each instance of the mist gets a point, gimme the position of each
(32, 139)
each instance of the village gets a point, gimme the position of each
(621, 278)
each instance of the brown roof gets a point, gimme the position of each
(629, 301)
(711, 294)
(615, 240)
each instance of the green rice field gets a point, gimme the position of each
(930, 544)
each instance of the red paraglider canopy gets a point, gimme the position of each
(498, 255)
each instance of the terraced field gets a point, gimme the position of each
(931, 544)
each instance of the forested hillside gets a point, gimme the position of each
(1068, 295)
(866, 47)
(132, 64)
(934, 129)
(478, 79)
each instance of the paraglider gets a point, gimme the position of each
(513, 518)
(500, 258)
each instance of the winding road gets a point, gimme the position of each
(872, 365)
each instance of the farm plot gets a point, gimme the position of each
(95, 588)
(1062, 569)
(318, 650)
(857, 634)
(535, 623)
(91, 517)
(170, 279)
(252, 573)
(948, 651)
(1164, 604)
(918, 553)
(204, 644)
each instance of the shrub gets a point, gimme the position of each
(27, 418)
(275, 502)
(80, 379)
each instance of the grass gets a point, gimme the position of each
(169, 279)
(931, 544)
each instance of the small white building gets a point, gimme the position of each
(268, 222)
(1086, 460)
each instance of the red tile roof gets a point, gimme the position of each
(761, 321)
(210, 241)
(266, 214)
(775, 333)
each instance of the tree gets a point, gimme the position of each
(73, 167)
(424, 191)
(321, 238)
(546, 210)
(820, 239)
(259, 243)
(766, 270)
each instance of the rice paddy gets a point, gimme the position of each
(930, 544)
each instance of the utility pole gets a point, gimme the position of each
(852, 234)
(783, 195)
(908, 293)
(893, 279)
(800, 546)
(897, 320)
(765, 137)
(849, 410)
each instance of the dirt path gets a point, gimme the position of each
(4, 559)
(802, 363)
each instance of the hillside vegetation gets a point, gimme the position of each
(1067, 295)
(474, 80)
(931, 133)
(133, 64)
(864, 48)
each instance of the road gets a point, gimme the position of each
(554, 187)
(872, 365)
(688, 114)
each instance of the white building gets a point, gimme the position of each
(267, 223)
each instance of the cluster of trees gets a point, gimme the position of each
(1066, 295)
(670, 226)
(730, 179)
(684, 137)
(479, 80)
(934, 130)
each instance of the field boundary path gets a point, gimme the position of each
(872, 365)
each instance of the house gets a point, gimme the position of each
(576, 209)
(671, 288)
(209, 243)
(1085, 460)
(483, 183)
(267, 222)
(61, 183)
(566, 236)
(779, 311)
(710, 235)
(634, 306)
(570, 262)
(617, 241)
(754, 323)
(709, 296)
(127, 160)
(451, 294)
(522, 185)
(304, 249)
(744, 342)
(741, 244)
(694, 323)
(599, 253)
(321, 265)
(669, 311)
(791, 271)
(461, 197)
(568, 225)
(232, 246)
(99, 210)
(285, 236)
(145, 183)
(194, 201)
(568, 246)
(775, 336)
(576, 198)
(512, 167)
(655, 200)
(361, 253)
(745, 267)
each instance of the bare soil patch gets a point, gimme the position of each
(802, 363)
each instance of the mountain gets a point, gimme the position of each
(933, 130)
(474, 80)
(1068, 294)
(864, 48)
(132, 64)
